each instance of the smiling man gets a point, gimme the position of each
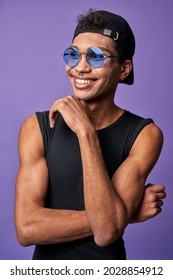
(81, 178)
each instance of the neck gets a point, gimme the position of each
(102, 115)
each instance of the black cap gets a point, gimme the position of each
(118, 29)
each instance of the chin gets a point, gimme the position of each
(83, 94)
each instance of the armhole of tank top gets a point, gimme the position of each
(131, 139)
(42, 120)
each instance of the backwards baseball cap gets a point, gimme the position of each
(118, 29)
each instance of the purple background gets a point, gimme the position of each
(33, 34)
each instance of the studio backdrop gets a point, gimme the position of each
(33, 34)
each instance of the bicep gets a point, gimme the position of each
(130, 178)
(32, 182)
(32, 178)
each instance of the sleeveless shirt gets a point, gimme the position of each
(65, 190)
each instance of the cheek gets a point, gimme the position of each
(68, 73)
(113, 72)
(110, 79)
(106, 73)
(67, 69)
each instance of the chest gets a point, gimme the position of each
(65, 166)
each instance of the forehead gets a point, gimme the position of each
(86, 40)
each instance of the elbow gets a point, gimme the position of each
(23, 235)
(109, 232)
(106, 237)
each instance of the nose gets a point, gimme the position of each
(83, 66)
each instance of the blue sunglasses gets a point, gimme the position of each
(94, 57)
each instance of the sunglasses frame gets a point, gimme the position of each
(87, 57)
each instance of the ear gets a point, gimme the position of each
(126, 69)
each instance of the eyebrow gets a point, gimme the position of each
(102, 48)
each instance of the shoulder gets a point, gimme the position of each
(29, 127)
(133, 124)
(150, 134)
(147, 146)
(30, 139)
(133, 128)
(142, 129)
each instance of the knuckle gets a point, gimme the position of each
(69, 98)
(148, 190)
(155, 211)
(152, 212)
(152, 196)
(62, 104)
(155, 204)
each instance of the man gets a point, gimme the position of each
(81, 178)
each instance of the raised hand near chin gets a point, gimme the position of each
(73, 114)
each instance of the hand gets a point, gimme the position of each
(73, 113)
(151, 204)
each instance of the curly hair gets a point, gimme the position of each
(91, 19)
(95, 20)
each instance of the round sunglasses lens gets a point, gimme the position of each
(71, 57)
(95, 57)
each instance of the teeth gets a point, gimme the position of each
(80, 81)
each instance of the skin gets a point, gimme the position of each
(108, 204)
(151, 204)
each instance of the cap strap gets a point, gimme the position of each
(107, 32)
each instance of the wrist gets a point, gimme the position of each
(87, 132)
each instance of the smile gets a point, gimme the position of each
(82, 81)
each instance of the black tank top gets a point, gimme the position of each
(65, 189)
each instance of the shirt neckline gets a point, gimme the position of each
(115, 123)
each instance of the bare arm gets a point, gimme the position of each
(110, 205)
(36, 224)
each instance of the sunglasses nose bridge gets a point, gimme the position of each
(83, 63)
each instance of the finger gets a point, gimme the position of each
(156, 187)
(158, 211)
(161, 195)
(53, 111)
(51, 119)
(58, 106)
(159, 203)
(154, 212)
(52, 114)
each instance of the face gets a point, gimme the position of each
(94, 83)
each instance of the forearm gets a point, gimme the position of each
(105, 210)
(48, 226)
